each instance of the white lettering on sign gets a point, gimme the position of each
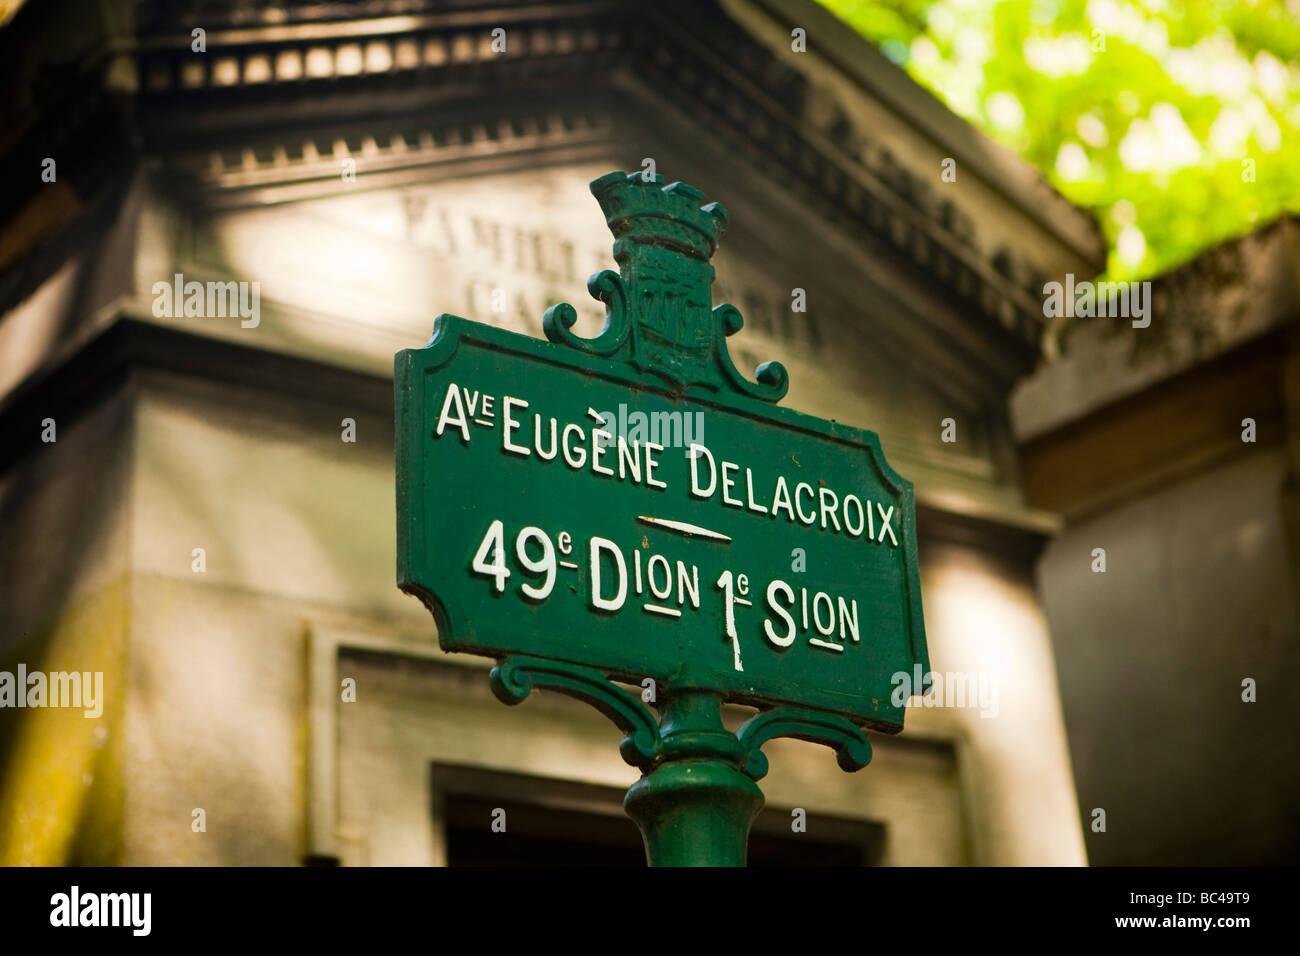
(625, 576)
(778, 587)
(601, 546)
(609, 456)
(510, 425)
(665, 587)
(451, 403)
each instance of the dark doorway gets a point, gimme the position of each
(560, 823)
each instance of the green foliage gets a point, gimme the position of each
(1154, 114)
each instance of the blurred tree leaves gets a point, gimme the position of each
(1176, 122)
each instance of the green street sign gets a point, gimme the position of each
(633, 504)
(630, 507)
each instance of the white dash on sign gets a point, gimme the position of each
(684, 527)
(743, 601)
(479, 421)
(568, 564)
(665, 611)
(595, 414)
(829, 647)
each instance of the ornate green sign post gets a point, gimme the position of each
(631, 508)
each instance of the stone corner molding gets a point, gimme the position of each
(324, 645)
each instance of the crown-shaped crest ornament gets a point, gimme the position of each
(642, 209)
(659, 314)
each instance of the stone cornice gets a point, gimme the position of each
(1226, 297)
(265, 68)
(1017, 182)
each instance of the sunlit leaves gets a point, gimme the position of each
(1177, 122)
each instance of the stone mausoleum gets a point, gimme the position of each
(181, 508)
